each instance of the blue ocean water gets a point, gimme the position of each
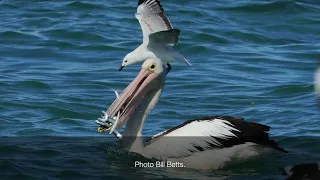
(59, 65)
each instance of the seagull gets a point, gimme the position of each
(159, 36)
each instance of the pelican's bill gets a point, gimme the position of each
(124, 106)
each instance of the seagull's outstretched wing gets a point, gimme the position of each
(155, 24)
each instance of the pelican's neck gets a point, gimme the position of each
(132, 136)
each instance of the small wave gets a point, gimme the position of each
(193, 13)
(57, 43)
(84, 5)
(247, 36)
(275, 6)
(105, 48)
(33, 85)
(73, 174)
(286, 90)
(66, 113)
(17, 35)
(10, 6)
(197, 49)
(211, 38)
(74, 35)
(36, 131)
(70, 122)
(13, 170)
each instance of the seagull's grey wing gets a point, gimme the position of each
(170, 37)
(152, 19)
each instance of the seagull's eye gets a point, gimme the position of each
(152, 67)
(126, 61)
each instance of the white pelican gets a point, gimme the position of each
(205, 143)
(159, 36)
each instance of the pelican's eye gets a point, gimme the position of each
(152, 67)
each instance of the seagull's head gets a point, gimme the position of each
(130, 58)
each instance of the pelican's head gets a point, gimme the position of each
(150, 79)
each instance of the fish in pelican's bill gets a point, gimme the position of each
(159, 36)
(203, 143)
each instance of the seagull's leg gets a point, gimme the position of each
(169, 68)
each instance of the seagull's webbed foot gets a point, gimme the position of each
(169, 68)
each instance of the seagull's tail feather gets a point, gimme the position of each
(187, 61)
(179, 57)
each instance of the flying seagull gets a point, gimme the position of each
(159, 36)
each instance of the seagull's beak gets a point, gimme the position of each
(130, 98)
(121, 68)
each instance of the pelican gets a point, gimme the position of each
(204, 143)
(159, 36)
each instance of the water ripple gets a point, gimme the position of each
(263, 6)
(60, 61)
